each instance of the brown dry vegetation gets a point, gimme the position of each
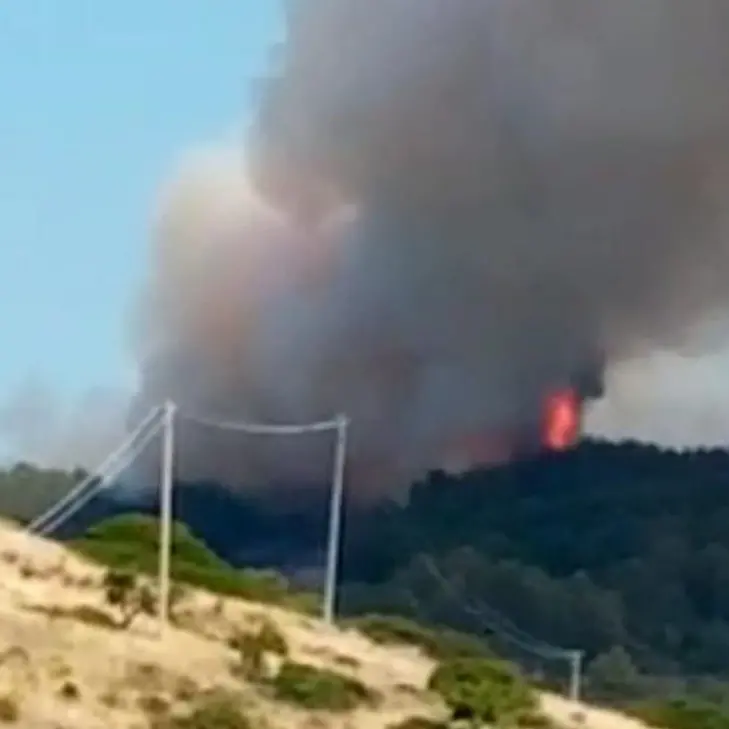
(65, 665)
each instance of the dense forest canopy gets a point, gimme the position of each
(618, 549)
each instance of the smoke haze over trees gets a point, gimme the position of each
(472, 204)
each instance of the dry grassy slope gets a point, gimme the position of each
(116, 671)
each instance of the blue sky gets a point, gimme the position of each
(99, 100)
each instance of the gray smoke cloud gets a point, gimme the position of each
(677, 401)
(39, 426)
(447, 210)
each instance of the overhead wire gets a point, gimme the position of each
(490, 619)
(92, 478)
(60, 513)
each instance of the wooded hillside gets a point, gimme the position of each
(621, 550)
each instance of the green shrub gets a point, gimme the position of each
(213, 711)
(483, 690)
(131, 544)
(258, 586)
(684, 713)
(307, 603)
(437, 644)
(318, 689)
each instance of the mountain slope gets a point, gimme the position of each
(60, 669)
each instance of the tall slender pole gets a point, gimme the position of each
(575, 676)
(335, 521)
(165, 537)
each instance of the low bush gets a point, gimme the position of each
(91, 615)
(318, 689)
(131, 544)
(684, 713)
(212, 711)
(486, 691)
(252, 647)
(346, 661)
(69, 691)
(123, 590)
(185, 689)
(306, 603)
(153, 705)
(437, 644)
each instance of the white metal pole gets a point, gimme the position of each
(335, 521)
(575, 676)
(165, 537)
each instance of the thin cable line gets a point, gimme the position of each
(262, 429)
(101, 485)
(489, 618)
(92, 478)
(507, 629)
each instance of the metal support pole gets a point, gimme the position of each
(165, 537)
(335, 522)
(576, 675)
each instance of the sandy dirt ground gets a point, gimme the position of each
(62, 672)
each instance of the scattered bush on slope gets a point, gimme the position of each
(685, 713)
(484, 691)
(439, 644)
(216, 710)
(319, 689)
(131, 543)
(253, 647)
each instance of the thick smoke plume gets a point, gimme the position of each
(448, 209)
(677, 401)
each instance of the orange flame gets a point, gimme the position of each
(561, 420)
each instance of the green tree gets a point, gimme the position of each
(613, 675)
(483, 691)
